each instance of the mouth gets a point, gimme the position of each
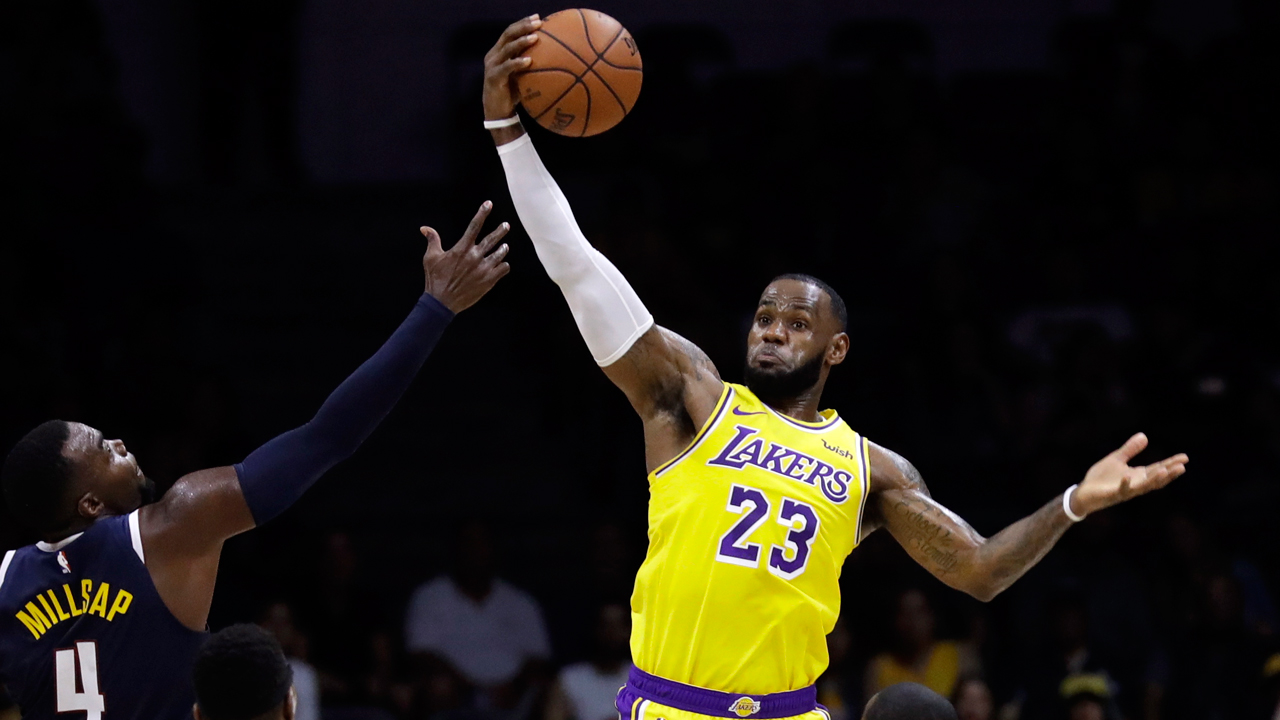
(765, 359)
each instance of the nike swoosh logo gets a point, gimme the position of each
(737, 410)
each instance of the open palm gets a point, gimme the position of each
(1112, 480)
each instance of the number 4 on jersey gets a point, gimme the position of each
(76, 677)
(751, 503)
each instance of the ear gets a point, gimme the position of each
(195, 710)
(90, 507)
(291, 704)
(837, 349)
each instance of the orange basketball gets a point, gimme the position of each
(584, 76)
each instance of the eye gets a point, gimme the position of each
(762, 320)
(798, 325)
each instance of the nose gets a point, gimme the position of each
(118, 447)
(774, 332)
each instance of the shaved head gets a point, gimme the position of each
(908, 701)
(836, 303)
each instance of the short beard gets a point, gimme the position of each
(778, 388)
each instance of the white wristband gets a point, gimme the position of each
(505, 122)
(1066, 504)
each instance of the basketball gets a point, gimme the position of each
(584, 75)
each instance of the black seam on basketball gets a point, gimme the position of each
(587, 119)
(608, 87)
(586, 30)
(614, 41)
(544, 70)
(572, 85)
(620, 67)
(578, 78)
(566, 47)
(600, 58)
(605, 60)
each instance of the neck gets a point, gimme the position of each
(803, 407)
(78, 525)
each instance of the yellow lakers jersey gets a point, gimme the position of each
(748, 530)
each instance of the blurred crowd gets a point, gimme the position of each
(1037, 265)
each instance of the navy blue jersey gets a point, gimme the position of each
(85, 636)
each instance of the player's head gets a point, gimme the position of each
(908, 701)
(62, 474)
(242, 674)
(797, 335)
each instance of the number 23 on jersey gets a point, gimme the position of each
(787, 561)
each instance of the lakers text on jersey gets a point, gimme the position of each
(748, 530)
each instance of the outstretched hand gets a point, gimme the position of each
(460, 276)
(1112, 480)
(505, 58)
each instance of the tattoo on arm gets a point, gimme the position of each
(1010, 553)
(950, 549)
(700, 364)
(667, 378)
(936, 538)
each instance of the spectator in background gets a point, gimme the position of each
(1069, 667)
(1269, 702)
(1087, 697)
(1216, 663)
(586, 690)
(478, 642)
(972, 699)
(277, 619)
(344, 605)
(917, 656)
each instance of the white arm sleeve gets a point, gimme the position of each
(609, 314)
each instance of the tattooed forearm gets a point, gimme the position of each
(937, 539)
(956, 554)
(1009, 554)
(944, 544)
(931, 541)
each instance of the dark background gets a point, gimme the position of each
(1052, 222)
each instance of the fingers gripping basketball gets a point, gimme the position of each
(584, 75)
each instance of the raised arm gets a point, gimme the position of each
(956, 554)
(182, 534)
(669, 381)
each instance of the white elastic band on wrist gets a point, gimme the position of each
(1066, 504)
(505, 122)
